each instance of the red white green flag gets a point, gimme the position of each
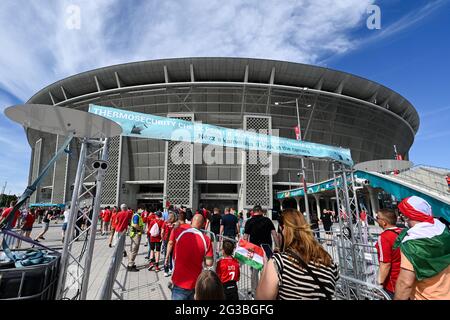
(249, 253)
(427, 244)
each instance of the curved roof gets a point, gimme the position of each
(181, 70)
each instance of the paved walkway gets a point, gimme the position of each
(142, 285)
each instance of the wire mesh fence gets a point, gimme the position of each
(36, 280)
(111, 285)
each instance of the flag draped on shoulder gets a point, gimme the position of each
(250, 254)
(427, 243)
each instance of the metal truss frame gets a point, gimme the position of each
(351, 235)
(76, 263)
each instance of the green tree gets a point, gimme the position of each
(5, 199)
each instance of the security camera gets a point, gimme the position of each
(362, 181)
(298, 174)
(100, 165)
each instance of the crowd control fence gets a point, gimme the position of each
(20, 281)
(111, 285)
(349, 287)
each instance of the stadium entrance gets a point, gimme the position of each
(219, 196)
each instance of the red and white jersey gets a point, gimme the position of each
(190, 249)
(228, 269)
(386, 254)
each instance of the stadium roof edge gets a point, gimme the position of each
(232, 69)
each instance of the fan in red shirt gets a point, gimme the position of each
(28, 221)
(180, 223)
(121, 221)
(192, 248)
(130, 214)
(147, 219)
(106, 220)
(228, 271)
(154, 231)
(363, 217)
(26, 226)
(113, 225)
(388, 258)
(5, 215)
(166, 232)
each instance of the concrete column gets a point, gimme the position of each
(317, 198)
(373, 195)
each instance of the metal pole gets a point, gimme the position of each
(72, 220)
(348, 212)
(342, 254)
(29, 190)
(305, 189)
(93, 229)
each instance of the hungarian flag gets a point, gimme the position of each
(249, 253)
(427, 244)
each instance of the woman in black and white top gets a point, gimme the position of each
(304, 270)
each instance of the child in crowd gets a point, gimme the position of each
(208, 287)
(228, 271)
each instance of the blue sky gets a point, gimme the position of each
(410, 53)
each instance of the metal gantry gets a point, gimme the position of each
(351, 240)
(75, 260)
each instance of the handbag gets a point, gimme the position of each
(312, 274)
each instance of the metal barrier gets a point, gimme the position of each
(215, 244)
(107, 289)
(37, 282)
(348, 288)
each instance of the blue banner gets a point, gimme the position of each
(145, 125)
(299, 192)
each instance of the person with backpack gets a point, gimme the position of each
(149, 217)
(154, 232)
(389, 259)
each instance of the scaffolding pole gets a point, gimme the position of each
(75, 261)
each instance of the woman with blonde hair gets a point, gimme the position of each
(303, 270)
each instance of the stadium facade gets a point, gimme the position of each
(335, 108)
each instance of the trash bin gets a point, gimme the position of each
(34, 282)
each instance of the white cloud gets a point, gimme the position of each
(408, 20)
(38, 48)
(14, 153)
